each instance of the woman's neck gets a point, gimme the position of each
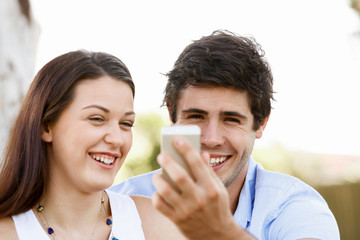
(74, 214)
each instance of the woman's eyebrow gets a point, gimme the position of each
(130, 113)
(97, 106)
(105, 109)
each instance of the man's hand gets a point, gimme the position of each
(201, 209)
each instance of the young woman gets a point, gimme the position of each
(69, 140)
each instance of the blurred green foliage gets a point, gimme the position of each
(313, 168)
(146, 146)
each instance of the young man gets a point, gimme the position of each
(223, 84)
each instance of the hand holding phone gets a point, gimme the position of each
(191, 133)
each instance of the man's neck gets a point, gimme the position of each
(235, 188)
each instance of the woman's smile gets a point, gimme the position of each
(106, 160)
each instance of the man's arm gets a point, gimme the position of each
(201, 210)
(305, 218)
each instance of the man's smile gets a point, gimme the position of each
(216, 159)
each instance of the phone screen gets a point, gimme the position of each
(190, 132)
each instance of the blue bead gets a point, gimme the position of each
(114, 238)
(50, 230)
(108, 221)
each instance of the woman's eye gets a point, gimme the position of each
(96, 119)
(127, 124)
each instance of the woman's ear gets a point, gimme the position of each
(46, 133)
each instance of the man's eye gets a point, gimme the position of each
(195, 116)
(235, 120)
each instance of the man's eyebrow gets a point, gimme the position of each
(97, 106)
(234, 114)
(195, 110)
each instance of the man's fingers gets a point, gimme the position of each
(198, 163)
(162, 206)
(176, 173)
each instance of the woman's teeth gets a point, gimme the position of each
(104, 159)
(217, 160)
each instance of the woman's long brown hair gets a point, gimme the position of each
(24, 169)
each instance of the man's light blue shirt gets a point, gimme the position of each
(271, 205)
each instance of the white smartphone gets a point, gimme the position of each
(191, 133)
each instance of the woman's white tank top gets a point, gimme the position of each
(125, 217)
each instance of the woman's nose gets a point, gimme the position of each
(114, 135)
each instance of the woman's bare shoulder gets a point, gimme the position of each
(142, 203)
(154, 224)
(145, 208)
(7, 229)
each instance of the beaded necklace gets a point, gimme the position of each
(51, 231)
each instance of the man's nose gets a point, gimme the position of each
(212, 135)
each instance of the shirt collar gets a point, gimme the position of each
(243, 212)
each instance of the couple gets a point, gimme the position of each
(73, 133)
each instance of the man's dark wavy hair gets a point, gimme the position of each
(223, 59)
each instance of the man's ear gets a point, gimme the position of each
(46, 133)
(261, 128)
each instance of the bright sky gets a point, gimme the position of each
(311, 46)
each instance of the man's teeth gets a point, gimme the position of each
(104, 159)
(217, 160)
